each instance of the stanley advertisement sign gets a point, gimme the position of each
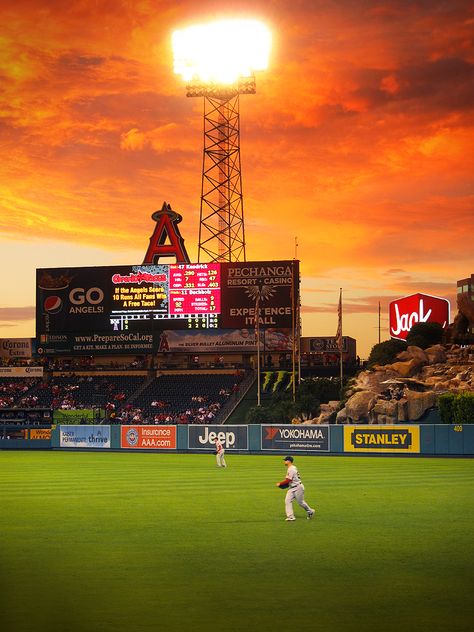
(401, 439)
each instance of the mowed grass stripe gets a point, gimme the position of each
(142, 541)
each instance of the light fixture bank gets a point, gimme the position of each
(221, 52)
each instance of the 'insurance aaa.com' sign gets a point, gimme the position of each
(148, 437)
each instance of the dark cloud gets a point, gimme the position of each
(76, 61)
(395, 271)
(13, 314)
(443, 84)
(359, 137)
(148, 108)
(365, 305)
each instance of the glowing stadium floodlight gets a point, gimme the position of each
(218, 61)
(243, 45)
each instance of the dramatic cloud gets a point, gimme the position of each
(358, 140)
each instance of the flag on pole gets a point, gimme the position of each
(339, 323)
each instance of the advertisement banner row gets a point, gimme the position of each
(21, 371)
(273, 339)
(273, 437)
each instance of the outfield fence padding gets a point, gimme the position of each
(406, 439)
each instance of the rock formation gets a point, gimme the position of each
(406, 389)
(465, 316)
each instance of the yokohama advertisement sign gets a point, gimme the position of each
(148, 437)
(293, 438)
(417, 308)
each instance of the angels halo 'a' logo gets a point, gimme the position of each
(53, 304)
(132, 436)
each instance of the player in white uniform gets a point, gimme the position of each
(220, 453)
(295, 491)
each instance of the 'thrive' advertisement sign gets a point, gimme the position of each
(416, 308)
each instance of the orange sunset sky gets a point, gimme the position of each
(359, 142)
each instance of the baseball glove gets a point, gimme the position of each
(283, 485)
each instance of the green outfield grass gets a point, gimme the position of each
(131, 542)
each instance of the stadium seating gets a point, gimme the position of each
(176, 392)
(13, 390)
(168, 398)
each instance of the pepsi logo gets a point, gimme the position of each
(53, 304)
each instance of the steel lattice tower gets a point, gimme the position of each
(217, 61)
(221, 227)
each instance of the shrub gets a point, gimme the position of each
(456, 408)
(322, 389)
(464, 408)
(308, 407)
(258, 415)
(425, 334)
(386, 352)
(283, 411)
(446, 407)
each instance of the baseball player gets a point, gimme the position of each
(220, 453)
(295, 491)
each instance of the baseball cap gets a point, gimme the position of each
(288, 458)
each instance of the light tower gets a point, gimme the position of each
(217, 61)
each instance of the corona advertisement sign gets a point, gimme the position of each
(399, 439)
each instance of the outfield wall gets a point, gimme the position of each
(25, 437)
(408, 439)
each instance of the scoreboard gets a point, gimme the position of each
(128, 298)
(195, 291)
(153, 298)
(186, 292)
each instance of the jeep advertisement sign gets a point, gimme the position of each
(295, 438)
(231, 437)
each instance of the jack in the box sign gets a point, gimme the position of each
(417, 308)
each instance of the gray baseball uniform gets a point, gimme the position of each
(295, 492)
(220, 454)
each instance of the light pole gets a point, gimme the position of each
(257, 338)
(217, 61)
(259, 293)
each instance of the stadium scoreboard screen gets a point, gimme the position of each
(184, 292)
(150, 299)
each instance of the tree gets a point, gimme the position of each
(386, 352)
(425, 334)
(446, 407)
(322, 389)
(308, 407)
(259, 415)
